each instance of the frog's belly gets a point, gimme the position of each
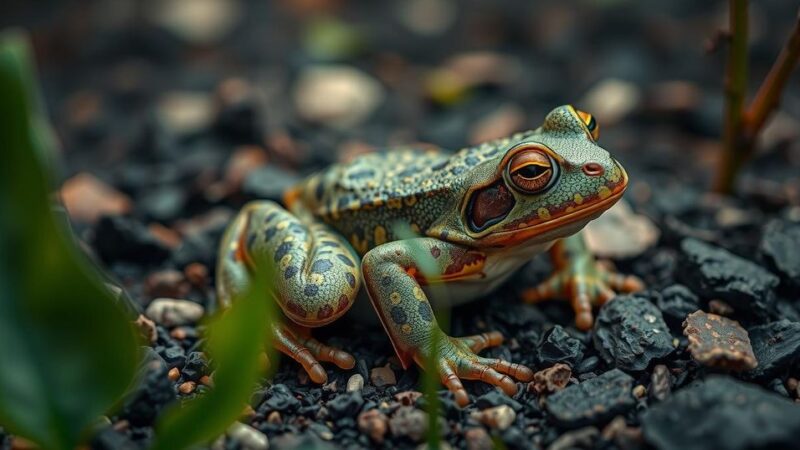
(498, 267)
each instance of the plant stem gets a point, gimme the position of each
(735, 88)
(768, 96)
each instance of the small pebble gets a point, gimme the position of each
(720, 308)
(498, 417)
(355, 383)
(382, 376)
(173, 312)
(248, 437)
(409, 422)
(639, 391)
(174, 374)
(478, 439)
(611, 100)
(166, 283)
(374, 424)
(187, 387)
(275, 417)
(407, 398)
(660, 383)
(550, 380)
(581, 438)
(197, 274)
(87, 198)
(621, 233)
(339, 96)
(147, 328)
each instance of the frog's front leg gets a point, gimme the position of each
(580, 278)
(313, 270)
(393, 273)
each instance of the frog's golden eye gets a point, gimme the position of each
(590, 123)
(531, 171)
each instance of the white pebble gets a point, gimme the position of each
(248, 437)
(172, 312)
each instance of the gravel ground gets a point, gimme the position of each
(173, 114)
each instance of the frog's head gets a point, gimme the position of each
(547, 185)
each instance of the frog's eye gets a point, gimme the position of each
(590, 123)
(531, 171)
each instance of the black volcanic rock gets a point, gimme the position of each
(593, 401)
(776, 346)
(630, 332)
(779, 247)
(676, 302)
(722, 413)
(558, 346)
(713, 272)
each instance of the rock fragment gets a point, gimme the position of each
(171, 312)
(248, 437)
(713, 272)
(355, 383)
(558, 346)
(409, 422)
(594, 401)
(721, 412)
(676, 302)
(660, 383)
(498, 417)
(338, 96)
(87, 198)
(630, 332)
(382, 376)
(621, 233)
(550, 380)
(716, 341)
(776, 347)
(779, 247)
(374, 424)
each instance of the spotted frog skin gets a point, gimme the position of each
(404, 222)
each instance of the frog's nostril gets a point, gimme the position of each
(593, 169)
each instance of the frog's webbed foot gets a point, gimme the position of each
(584, 288)
(457, 360)
(298, 344)
(582, 280)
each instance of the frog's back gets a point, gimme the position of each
(384, 196)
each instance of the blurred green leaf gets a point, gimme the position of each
(68, 352)
(236, 342)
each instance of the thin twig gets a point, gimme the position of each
(735, 88)
(768, 96)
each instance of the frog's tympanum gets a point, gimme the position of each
(403, 222)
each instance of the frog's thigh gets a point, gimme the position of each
(315, 272)
(393, 273)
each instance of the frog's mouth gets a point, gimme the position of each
(565, 221)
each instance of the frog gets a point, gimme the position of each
(404, 223)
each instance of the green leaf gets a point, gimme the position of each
(68, 352)
(236, 344)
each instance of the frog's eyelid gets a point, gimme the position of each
(545, 164)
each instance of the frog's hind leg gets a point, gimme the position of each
(314, 273)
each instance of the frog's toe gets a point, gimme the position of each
(550, 288)
(480, 342)
(516, 371)
(309, 352)
(460, 363)
(330, 354)
(622, 283)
